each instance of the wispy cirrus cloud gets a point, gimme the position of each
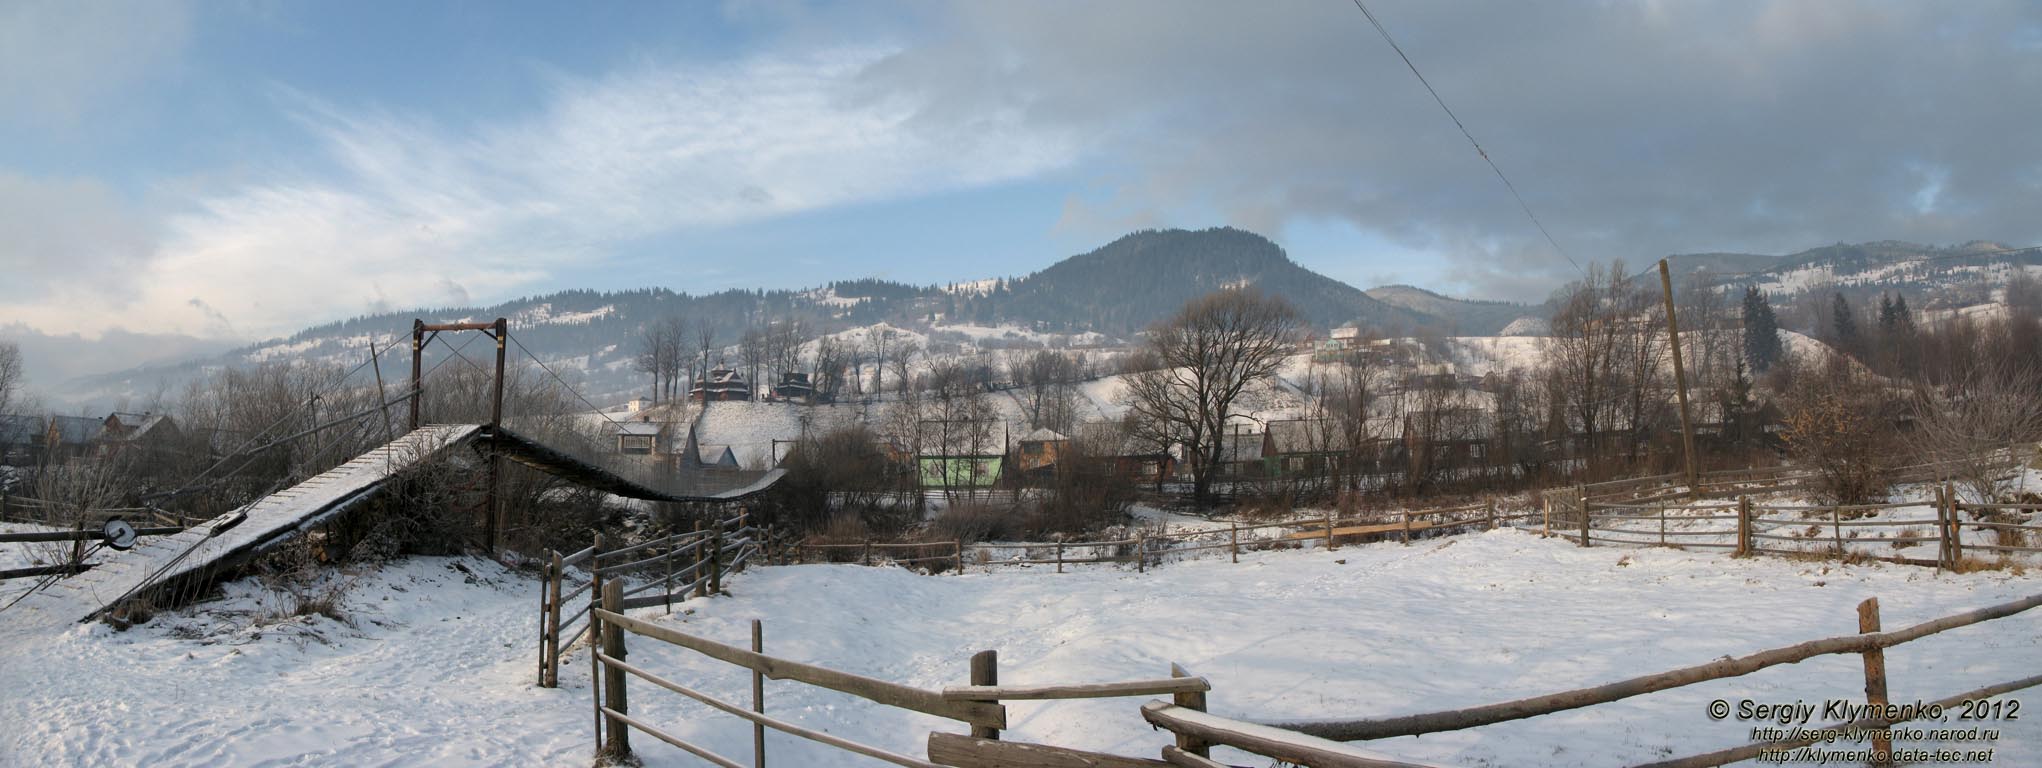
(397, 209)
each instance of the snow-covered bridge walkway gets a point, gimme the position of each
(207, 549)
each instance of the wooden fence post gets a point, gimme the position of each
(1546, 527)
(758, 698)
(1194, 700)
(595, 670)
(985, 670)
(595, 569)
(1943, 559)
(618, 744)
(716, 559)
(701, 565)
(1744, 525)
(1330, 546)
(545, 600)
(1956, 533)
(1234, 541)
(1836, 528)
(668, 587)
(1581, 495)
(1875, 679)
(1141, 553)
(1059, 557)
(1662, 525)
(1407, 528)
(552, 648)
(1490, 508)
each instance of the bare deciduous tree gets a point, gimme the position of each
(1836, 423)
(1209, 353)
(11, 374)
(1606, 355)
(1994, 403)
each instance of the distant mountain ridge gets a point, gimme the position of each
(1130, 283)
(1462, 316)
(1115, 290)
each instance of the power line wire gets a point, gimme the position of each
(1385, 32)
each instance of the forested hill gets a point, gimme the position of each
(1138, 279)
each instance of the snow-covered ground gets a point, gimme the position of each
(437, 665)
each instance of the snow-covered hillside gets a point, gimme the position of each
(437, 666)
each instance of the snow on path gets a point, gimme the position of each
(440, 673)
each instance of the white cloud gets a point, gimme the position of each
(422, 213)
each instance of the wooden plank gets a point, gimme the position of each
(767, 720)
(669, 738)
(881, 691)
(1289, 746)
(960, 751)
(1077, 690)
(1178, 757)
(1359, 530)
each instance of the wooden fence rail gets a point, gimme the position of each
(977, 704)
(1453, 720)
(1824, 526)
(682, 564)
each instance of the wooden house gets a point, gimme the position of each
(22, 440)
(641, 438)
(794, 385)
(721, 384)
(978, 471)
(1038, 450)
(71, 437)
(1293, 447)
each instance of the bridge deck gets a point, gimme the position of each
(270, 519)
(205, 549)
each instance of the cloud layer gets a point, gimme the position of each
(408, 211)
(1633, 129)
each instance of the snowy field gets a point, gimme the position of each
(436, 667)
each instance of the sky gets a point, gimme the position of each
(179, 174)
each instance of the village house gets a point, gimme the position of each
(1130, 457)
(641, 438)
(794, 385)
(1038, 451)
(22, 440)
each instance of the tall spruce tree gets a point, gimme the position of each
(1761, 331)
(1844, 323)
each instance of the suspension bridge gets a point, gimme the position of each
(194, 557)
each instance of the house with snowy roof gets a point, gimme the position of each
(721, 384)
(1038, 450)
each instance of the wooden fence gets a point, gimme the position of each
(1730, 482)
(83, 531)
(1870, 644)
(1748, 528)
(666, 569)
(1321, 743)
(976, 704)
(1146, 548)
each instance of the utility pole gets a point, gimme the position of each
(1687, 429)
(493, 501)
(417, 357)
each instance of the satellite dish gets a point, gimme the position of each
(119, 534)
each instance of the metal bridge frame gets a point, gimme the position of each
(500, 331)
